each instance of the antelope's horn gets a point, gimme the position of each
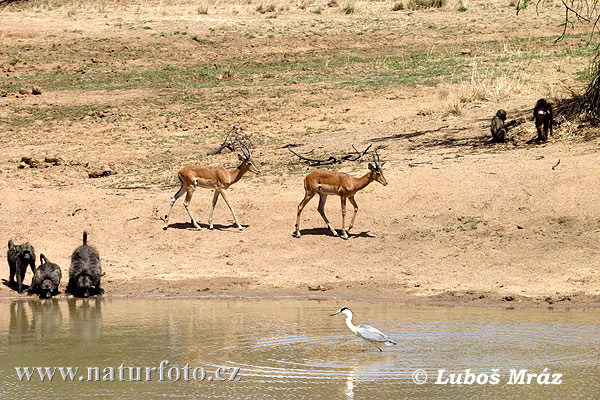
(245, 150)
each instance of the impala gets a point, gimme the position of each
(217, 178)
(327, 183)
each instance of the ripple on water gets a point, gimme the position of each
(333, 353)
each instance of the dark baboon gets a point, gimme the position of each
(45, 279)
(499, 131)
(19, 257)
(542, 113)
(85, 271)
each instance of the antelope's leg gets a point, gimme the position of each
(321, 208)
(355, 211)
(307, 196)
(214, 202)
(173, 200)
(344, 233)
(186, 204)
(224, 195)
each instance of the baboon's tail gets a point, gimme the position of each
(10, 244)
(43, 259)
(84, 238)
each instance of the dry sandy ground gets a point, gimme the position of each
(461, 221)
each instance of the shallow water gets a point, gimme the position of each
(291, 349)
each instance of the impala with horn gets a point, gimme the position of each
(325, 183)
(209, 177)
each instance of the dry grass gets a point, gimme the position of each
(483, 88)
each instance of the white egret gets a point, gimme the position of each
(366, 332)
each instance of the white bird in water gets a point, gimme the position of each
(366, 332)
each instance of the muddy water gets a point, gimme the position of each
(292, 349)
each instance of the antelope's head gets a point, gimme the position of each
(247, 158)
(376, 170)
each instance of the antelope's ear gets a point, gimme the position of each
(371, 167)
(241, 158)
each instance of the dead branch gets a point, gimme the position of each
(234, 136)
(353, 156)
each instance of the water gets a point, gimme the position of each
(289, 349)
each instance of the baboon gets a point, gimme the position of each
(542, 113)
(19, 257)
(85, 271)
(45, 279)
(499, 128)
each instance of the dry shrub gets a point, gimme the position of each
(480, 90)
(422, 4)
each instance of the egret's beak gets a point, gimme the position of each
(335, 313)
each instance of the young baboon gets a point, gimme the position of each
(19, 257)
(498, 130)
(542, 113)
(45, 279)
(85, 271)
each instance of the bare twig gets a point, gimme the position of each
(353, 156)
(556, 165)
(129, 219)
(234, 137)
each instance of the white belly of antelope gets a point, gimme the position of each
(328, 189)
(204, 183)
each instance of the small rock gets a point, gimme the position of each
(508, 298)
(32, 162)
(105, 170)
(465, 52)
(36, 90)
(25, 91)
(317, 288)
(3, 93)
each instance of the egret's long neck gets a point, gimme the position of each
(351, 326)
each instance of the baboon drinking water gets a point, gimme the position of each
(542, 113)
(45, 279)
(19, 257)
(85, 271)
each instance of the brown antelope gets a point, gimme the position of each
(340, 184)
(217, 178)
